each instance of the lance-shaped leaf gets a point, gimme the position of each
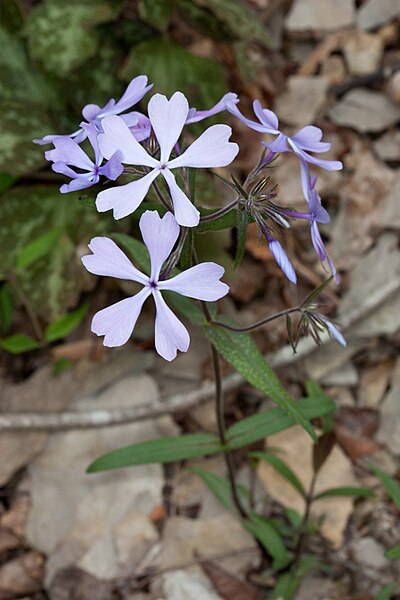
(264, 530)
(282, 468)
(391, 486)
(242, 222)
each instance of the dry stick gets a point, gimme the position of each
(182, 402)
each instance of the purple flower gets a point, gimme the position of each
(302, 143)
(67, 153)
(95, 114)
(194, 115)
(211, 149)
(334, 331)
(117, 322)
(279, 254)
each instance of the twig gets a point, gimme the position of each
(181, 402)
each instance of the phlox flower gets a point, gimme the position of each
(94, 114)
(279, 255)
(67, 153)
(194, 115)
(307, 140)
(167, 117)
(117, 322)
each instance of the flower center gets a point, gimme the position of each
(153, 284)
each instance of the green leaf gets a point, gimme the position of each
(38, 248)
(282, 468)
(6, 181)
(242, 22)
(393, 553)
(136, 249)
(313, 295)
(162, 450)
(20, 122)
(156, 13)
(243, 354)
(66, 324)
(61, 365)
(357, 492)
(265, 532)
(219, 487)
(388, 592)
(61, 34)
(391, 486)
(172, 68)
(294, 517)
(259, 426)
(18, 343)
(242, 223)
(6, 308)
(54, 282)
(288, 583)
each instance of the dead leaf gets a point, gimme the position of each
(23, 575)
(74, 584)
(228, 586)
(354, 429)
(13, 524)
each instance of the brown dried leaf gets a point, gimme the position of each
(355, 447)
(228, 586)
(354, 430)
(23, 575)
(74, 584)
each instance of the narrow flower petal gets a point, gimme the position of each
(159, 235)
(211, 149)
(133, 94)
(167, 119)
(113, 168)
(69, 152)
(170, 334)
(118, 138)
(185, 213)
(116, 322)
(80, 183)
(125, 199)
(309, 138)
(195, 115)
(109, 260)
(279, 144)
(282, 260)
(328, 165)
(233, 109)
(200, 282)
(266, 117)
(335, 332)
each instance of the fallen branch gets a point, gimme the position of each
(182, 402)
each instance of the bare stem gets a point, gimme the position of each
(218, 213)
(161, 198)
(258, 324)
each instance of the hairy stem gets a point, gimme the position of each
(218, 213)
(257, 324)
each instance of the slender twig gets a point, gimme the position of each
(304, 523)
(257, 324)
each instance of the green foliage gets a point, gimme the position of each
(30, 216)
(282, 468)
(135, 248)
(219, 487)
(242, 223)
(173, 68)
(156, 13)
(266, 533)
(18, 343)
(65, 325)
(6, 308)
(288, 583)
(391, 486)
(388, 592)
(162, 450)
(242, 353)
(393, 553)
(61, 35)
(357, 492)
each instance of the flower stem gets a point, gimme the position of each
(258, 324)
(218, 213)
(220, 414)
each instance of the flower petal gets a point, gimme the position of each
(186, 214)
(309, 138)
(167, 119)
(116, 322)
(195, 115)
(118, 138)
(211, 149)
(80, 183)
(69, 152)
(113, 168)
(279, 144)
(133, 94)
(335, 332)
(233, 109)
(159, 235)
(109, 260)
(328, 165)
(200, 282)
(282, 260)
(266, 117)
(170, 334)
(125, 199)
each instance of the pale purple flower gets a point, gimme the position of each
(307, 140)
(194, 115)
(279, 254)
(334, 331)
(117, 322)
(94, 114)
(168, 117)
(67, 153)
